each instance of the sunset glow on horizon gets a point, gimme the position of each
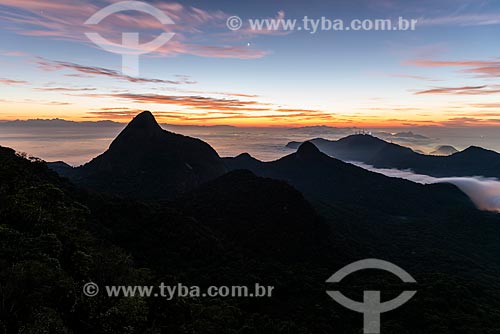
(442, 74)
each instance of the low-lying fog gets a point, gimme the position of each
(484, 192)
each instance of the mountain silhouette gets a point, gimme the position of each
(145, 161)
(330, 180)
(444, 150)
(473, 161)
(241, 229)
(356, 147)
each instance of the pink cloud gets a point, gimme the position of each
(466, 90)
(480, 68)
(409, 76)
(10, 82)
(449, 63)
(13, 54)
(197, 31)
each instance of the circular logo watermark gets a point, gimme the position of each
(90, 289)
(234, 23)
(130, 49)
(372, 306)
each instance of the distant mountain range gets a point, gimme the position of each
(328, 179)
(57, 122)
(444, 150)
(404, 137)
(473, 161)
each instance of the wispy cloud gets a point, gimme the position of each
(468, 121)
(448, 63)
(61, 20)
(207, 116)
(206, 108)
(64, 89)
(193, 102)
(50, 65)
(415, 77)
(10, 82)
(465, 90)
(57, 103)
(216, 51)
(229, 106)
(480, 68)
(37, 102)
(207, 92)
(300, 111)
(486, 105)
(6, 53)
(461, 20)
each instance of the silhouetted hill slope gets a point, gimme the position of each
(266, 216)
(145, 161)
(356, 147)
(322, 177)
(62, 168)
(242, 161)
(474, 161)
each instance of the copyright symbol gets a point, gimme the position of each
(90, 289)
(234, 23)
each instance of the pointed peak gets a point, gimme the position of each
(307, 150)
(142, 127)
(144, 120)
(144, 124)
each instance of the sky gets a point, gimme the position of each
(444, 73)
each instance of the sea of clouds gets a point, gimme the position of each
(484, 192)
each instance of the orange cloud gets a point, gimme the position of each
(220, 108)
(302, 111)
(212, 116)
(486, 105)
(194, 102)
